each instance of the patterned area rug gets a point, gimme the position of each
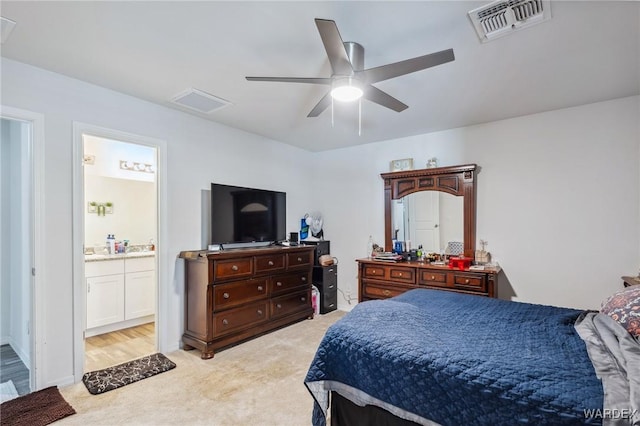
(35, 409)
(101, 381)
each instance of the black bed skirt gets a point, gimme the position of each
(346, 413)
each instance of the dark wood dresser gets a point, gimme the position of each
(234, 295)
(380, 280)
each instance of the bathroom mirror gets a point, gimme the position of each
(431, 207)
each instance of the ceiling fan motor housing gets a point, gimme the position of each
(355, 52)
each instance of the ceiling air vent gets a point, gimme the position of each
(501, 17)
(200, 101)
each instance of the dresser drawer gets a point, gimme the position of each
(235, 268)
(325, 274)
(402, 275)
(375, 272)
(239, 318)
(302, 259)
(238, 292)
(469, 282)
(431, 278)
(328, 303)
(269, 263)
(327, 287)
(285, 305)
(376, 291)
(286, 282)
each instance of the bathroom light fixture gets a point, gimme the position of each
(136, 167)
(346, 89)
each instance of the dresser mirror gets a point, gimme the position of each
(430, 219)
(431, 207)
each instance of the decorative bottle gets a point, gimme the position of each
(112, 244)
(370, 247)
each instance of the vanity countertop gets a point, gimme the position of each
(130, 255)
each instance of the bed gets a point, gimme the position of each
(436, 357)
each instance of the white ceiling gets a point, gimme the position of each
(588, 52)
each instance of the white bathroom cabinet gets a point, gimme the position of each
(120, 293)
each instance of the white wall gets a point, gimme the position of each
(558, 198)
(198, 152)
(134, 210)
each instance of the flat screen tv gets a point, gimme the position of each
(247, 216)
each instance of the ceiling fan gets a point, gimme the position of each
(350, 81)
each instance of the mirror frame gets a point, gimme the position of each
(455, 180)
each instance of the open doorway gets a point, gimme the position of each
(15, 294)
(116, 295)
(20, 233)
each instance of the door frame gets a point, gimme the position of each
(79, 296)
(35, 162)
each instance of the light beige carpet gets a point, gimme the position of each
(259, 382)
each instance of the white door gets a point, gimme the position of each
(423, 216)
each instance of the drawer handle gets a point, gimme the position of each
(466, 281)
(303, 299)
(225, 295)
(225, 322)
(331, 270)
(304, 279)
(373, 272)
(259, 312)
(234, 268)
(278, 306)
(331, 286)
(271, 263)
(331, 305)
(279, 284)
(299, 259)
(259, 288)
(386, 292)
(400, 274)
(433, 278)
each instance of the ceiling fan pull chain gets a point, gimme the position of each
(332, 112)
(360, 117)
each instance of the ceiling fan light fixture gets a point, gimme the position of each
(346, 90)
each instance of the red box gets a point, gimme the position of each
(460, 262)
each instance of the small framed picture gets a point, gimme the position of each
(401, 164)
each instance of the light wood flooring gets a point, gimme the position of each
(109, 349)
(12, 368)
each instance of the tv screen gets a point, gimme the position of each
(247, 215)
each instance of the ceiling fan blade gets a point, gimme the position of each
(381, 98)
(385, 72)
(292, 80)
(334, 46)
(321, 106)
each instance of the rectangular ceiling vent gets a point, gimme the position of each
(200, 101)
(501, 17)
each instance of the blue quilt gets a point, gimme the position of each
(459, 359)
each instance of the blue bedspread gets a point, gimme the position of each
(460, 359)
